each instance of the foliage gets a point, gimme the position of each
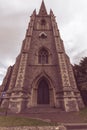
(80, 72)
(81, 69)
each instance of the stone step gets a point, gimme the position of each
(41, 109)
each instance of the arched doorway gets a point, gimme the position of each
(43, 92)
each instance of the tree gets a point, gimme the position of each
(80, 72)
(83, 65)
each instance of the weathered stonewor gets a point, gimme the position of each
(42, 73)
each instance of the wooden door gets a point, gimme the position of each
(43, 92)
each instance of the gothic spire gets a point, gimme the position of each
(42, 10)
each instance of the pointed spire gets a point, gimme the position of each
(42, 10)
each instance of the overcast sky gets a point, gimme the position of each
(71, 16)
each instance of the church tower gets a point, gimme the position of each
(42, 73)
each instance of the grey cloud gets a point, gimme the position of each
(77, 58)
(2, 71)
(2, 65)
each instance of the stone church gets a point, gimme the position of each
(42, 73)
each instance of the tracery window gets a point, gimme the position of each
(43, 56)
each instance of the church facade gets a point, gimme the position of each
(42, 73)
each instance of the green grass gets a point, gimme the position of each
(7, 121)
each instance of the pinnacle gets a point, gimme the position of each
(42, 10)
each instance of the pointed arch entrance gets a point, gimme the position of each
(43, 92)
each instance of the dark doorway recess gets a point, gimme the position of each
(43, 92)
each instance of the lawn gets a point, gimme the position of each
(22, 121)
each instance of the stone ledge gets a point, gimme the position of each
(34, 128)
